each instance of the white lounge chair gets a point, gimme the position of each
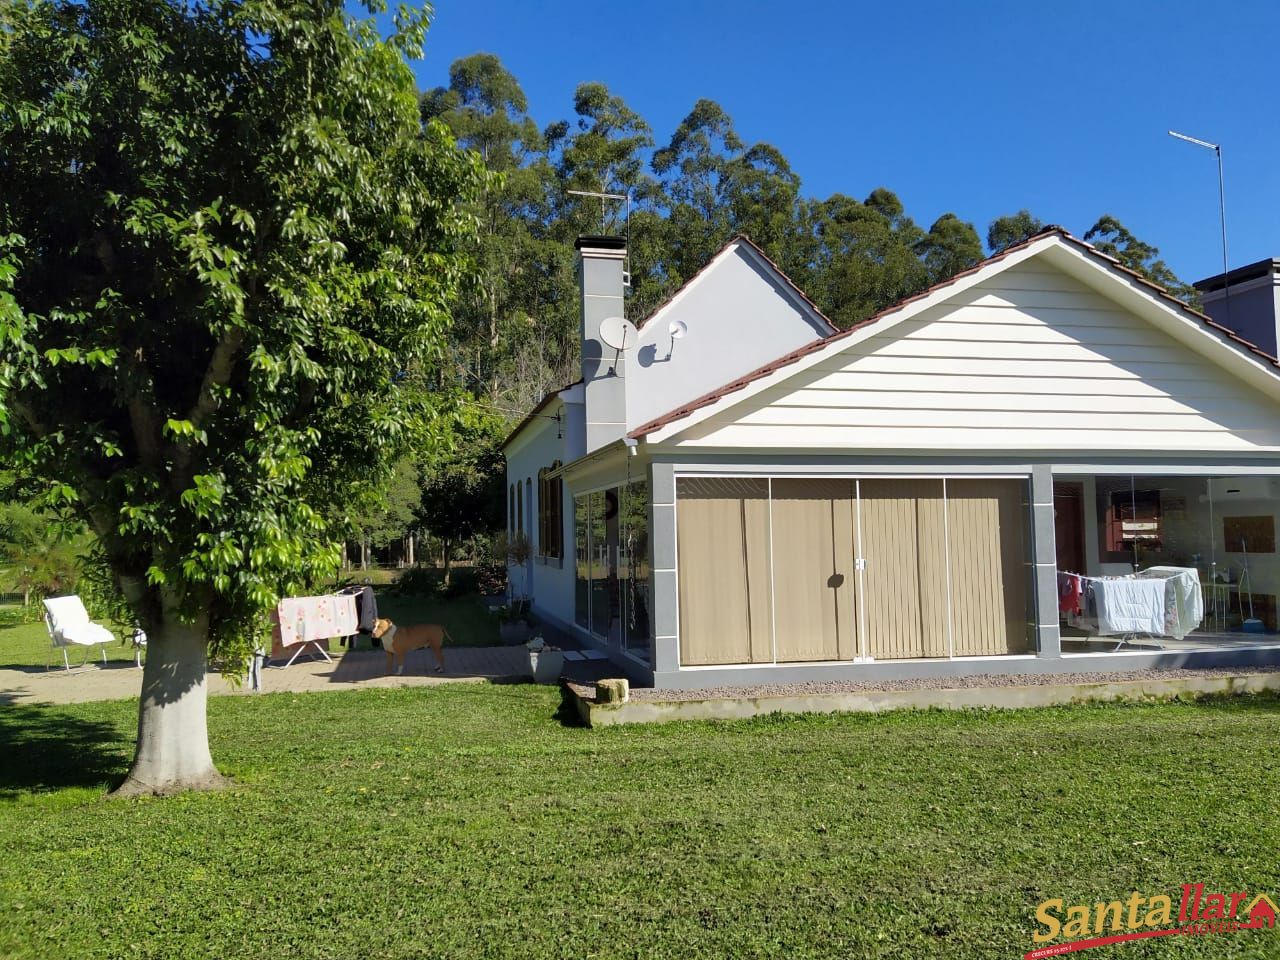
(69, 625)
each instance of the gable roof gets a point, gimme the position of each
(741, 240)
(975, 273)
(536, 412)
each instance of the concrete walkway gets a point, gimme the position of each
(349, 671)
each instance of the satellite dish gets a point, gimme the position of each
(618, 333)
(677, 329)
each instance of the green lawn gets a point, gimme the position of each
(467, 821)
(27, 645)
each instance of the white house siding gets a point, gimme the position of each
(739, 315)
(549, 583)
(1030, 359)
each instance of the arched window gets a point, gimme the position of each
(511, 511)
(519, 509)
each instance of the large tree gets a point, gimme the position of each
(487, 111)
(1113, 238)
(462, 486)
(225, 236)
(1012, 228)
(694, 170)
(867, 257)
(950, 246)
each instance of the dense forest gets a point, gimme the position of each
(516, 334)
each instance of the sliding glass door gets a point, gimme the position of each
(611, 579)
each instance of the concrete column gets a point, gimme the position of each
(1048, 637)
(662, 563)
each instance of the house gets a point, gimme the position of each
(738, 493)
(1262, 911)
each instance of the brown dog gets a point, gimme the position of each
(399, 641)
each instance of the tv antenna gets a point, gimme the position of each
(1222, 215)
(605, 198)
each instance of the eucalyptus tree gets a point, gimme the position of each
(487, 111)
(694, 173)
(763, 196)
(606, 150)
(950, 246)
(868, 256)
(1012, 228)
(225, 235)
(1111, 237)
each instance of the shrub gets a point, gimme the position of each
(17, 615)
(419, 582)
(462, 581)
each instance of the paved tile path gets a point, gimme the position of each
(349, 671)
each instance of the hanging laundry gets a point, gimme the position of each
(366, 605)
(1070, 592)
(1127, 605)
(304, 619)
(1183, 600)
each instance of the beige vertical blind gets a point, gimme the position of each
(989, 575)
(772, 575)
(813, 588)
(904, 585)
(723, 548)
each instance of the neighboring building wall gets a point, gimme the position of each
(1251, 304)
(1252, 313)
(739, 316)
(1031, 359)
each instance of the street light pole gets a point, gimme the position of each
(1222, 211)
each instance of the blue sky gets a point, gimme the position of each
(1062, 108)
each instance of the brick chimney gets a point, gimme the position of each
(600, 273)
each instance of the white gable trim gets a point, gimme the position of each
(811, 314)
(1093, 270)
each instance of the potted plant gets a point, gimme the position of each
(514, 624)
(519, 550)
(546, 662)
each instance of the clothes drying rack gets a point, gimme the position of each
(1130, 637)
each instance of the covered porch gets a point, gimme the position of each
(846, 569)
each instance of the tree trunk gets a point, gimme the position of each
(345, 562)
(410, 550)
(173, 738)
(364, 553)
(447, 571)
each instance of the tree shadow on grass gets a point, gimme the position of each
(42, 748)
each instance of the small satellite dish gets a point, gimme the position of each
(618, 333)
(677, 329)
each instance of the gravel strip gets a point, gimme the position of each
(922, 683)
